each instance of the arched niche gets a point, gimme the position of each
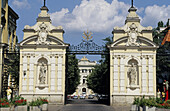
(42, 72)
(133, 73)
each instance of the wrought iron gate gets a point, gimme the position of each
(88, 46)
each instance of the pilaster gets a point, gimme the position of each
(115, 74)
(24, 71)
(53, 72)
(122, 73)
(144, 73)
(31, 73)
(151, 76)
(59, 76)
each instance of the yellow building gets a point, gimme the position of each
(132, 61)
(42, 60)
(7, 38)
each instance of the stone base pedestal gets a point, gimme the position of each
(21, 108)
(35, 108)
(52, 98)
(5, 109)
(44, 107)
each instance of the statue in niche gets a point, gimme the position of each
(42, 34)
(42, 73)
(133, 33)
(132, 73)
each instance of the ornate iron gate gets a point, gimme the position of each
(88, 46)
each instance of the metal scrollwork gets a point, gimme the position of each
(87, 46)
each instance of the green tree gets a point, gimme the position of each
(99, 79)
(163, 60)
(73, 76)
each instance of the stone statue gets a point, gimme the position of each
(132, 73)
(42, 34)
(42, 73)
(133, 33)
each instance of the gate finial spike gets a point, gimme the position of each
(132, 4)
(44, 2)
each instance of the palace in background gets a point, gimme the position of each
(85, 67)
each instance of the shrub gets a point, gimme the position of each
(19, 101)
(157, 102)
(136, 101)
(38, 102)
(44, 100)
(4, 102)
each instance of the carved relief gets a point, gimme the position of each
(132, 33)
(42, 34)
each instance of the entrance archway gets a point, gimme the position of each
(88, 47)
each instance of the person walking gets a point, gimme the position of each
(158, 94)
(9, 91)
(163, 96)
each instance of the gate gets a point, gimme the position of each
(89, 47)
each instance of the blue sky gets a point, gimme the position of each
(98, 16)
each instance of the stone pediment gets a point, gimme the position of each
(51, 40)
(143, 42)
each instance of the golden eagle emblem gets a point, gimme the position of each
(87, 35)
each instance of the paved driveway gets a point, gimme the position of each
(86, 105)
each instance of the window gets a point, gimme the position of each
(90, 70)
(84, 81)
(84, 70)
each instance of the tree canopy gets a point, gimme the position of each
(99, 79)
(73, 76)
(163, 59)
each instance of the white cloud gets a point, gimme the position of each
(101, 16)
(154, 14)
(94, 15)
(21, 4)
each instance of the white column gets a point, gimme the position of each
(122, 74)
(31, 73)
(150, 67)
(24, 70)
(53, 59)
(144, 74)
(59, 73)
(115, 74)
